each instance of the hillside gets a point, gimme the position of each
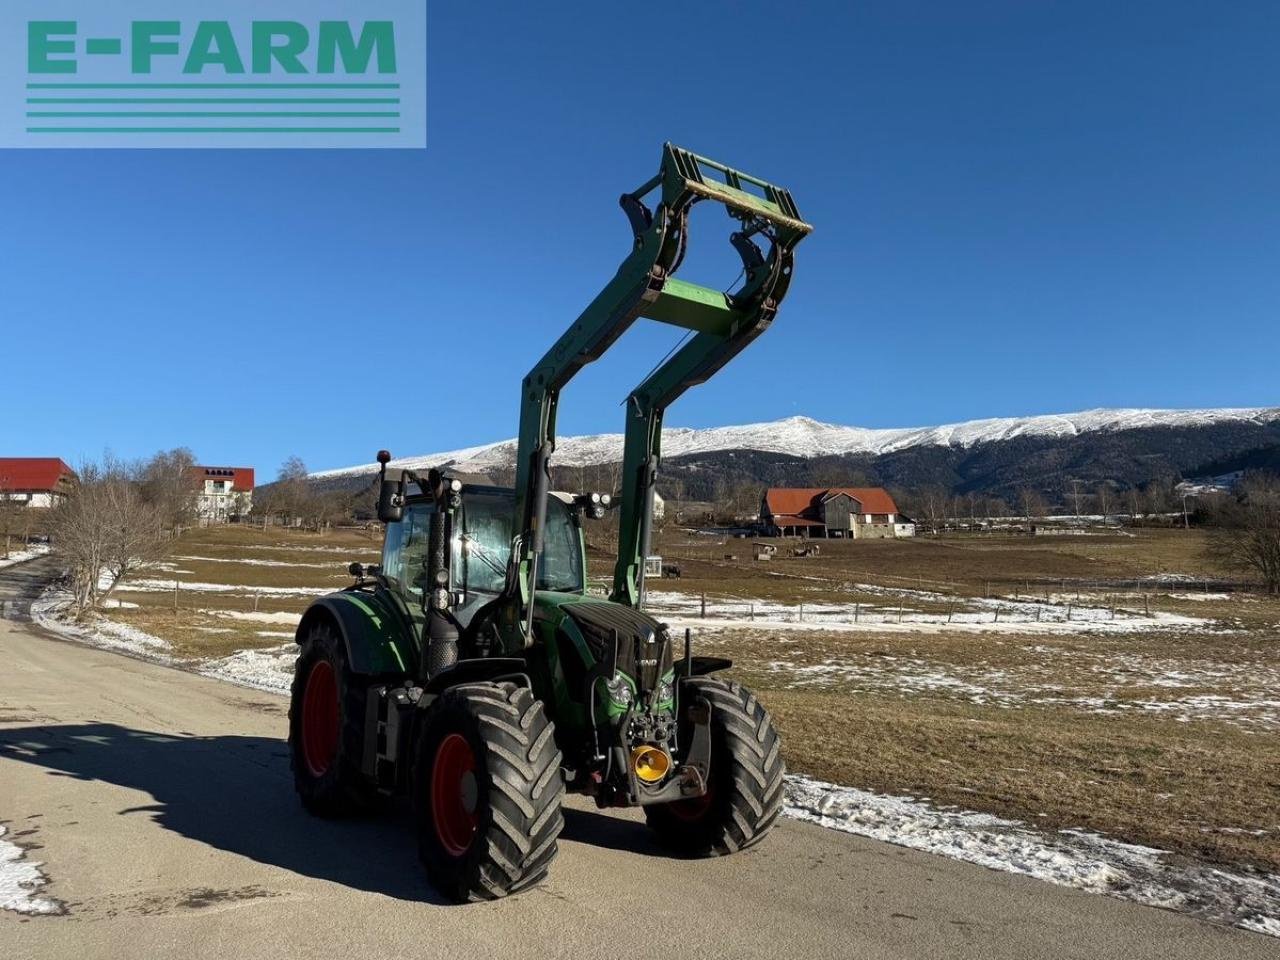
(992, 457)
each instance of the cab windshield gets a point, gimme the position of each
(482, 545)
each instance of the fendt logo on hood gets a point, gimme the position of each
(296, 73)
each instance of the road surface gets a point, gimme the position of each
(161, 806)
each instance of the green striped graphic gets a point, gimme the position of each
(146, 100)
(213, 129)
(213, 86)
(214, 113)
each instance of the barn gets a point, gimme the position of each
(35, 481)
(851, 512)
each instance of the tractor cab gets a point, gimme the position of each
(481, 542)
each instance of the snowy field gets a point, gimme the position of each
(22, 556)
(917, 611)
(1074, 858)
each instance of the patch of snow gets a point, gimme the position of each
(964, 615)
(336, 565)
(20, 881)
(291, 619)
(22, 556)
(52, 610)
(804, 437)
(270, 670)
(1071, 858)
(146, 585)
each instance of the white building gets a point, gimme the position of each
(224, 492)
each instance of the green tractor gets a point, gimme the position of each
(473, 671)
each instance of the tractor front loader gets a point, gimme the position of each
(472, 671)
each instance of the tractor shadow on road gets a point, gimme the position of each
(235, 793)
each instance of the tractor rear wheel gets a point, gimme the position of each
(326, 721)
(487, 791)
(744, 795)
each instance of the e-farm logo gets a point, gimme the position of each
(214, 73)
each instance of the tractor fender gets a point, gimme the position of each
(477, 671)
(373, 635)
(703, 666)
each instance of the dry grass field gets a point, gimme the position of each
(1030, 678)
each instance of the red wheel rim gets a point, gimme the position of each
(693, 809)
(320, 719)
(454, 796)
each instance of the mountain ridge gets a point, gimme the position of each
(808, 439)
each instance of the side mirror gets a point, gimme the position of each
(391, 501)
(390, 492)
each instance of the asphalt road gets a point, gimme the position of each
(161, 806)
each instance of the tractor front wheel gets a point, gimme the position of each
(487, 791)
(326, 721)
(744, 795)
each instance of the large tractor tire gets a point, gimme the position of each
(326, 726)
(744, 795)
(487, 791)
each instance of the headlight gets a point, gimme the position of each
(666, 692)
(620, 690)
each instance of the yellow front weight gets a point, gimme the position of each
(651, 764)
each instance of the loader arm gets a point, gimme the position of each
(644, 286)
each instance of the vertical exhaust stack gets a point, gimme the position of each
(441, 640)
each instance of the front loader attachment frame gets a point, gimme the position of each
(720, 324)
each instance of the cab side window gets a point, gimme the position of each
(404, 552)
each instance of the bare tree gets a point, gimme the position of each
(1133, 503)
(105, 529)
(932, 504)
(10, 512)
(1248, 537)
(1075, 496)
(1106, 499)
(1031, 503)
(170, 486)
(291, 491)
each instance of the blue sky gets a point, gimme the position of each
(1019, 208)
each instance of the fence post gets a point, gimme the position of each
(802, 613)
(704, 604)
(175, 594)
(1068, 611)
(997, 619)
(857, 609)
(753, 613)
(899, 613)
(1146, 604)
(255, 603)
(950, 610)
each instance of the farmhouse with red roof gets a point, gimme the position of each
(224, 492)
(862, 512)
(35, 481)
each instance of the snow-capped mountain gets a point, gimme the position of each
(806, 438)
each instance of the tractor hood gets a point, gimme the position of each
(643, 644)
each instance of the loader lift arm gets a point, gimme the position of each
(721, 325)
